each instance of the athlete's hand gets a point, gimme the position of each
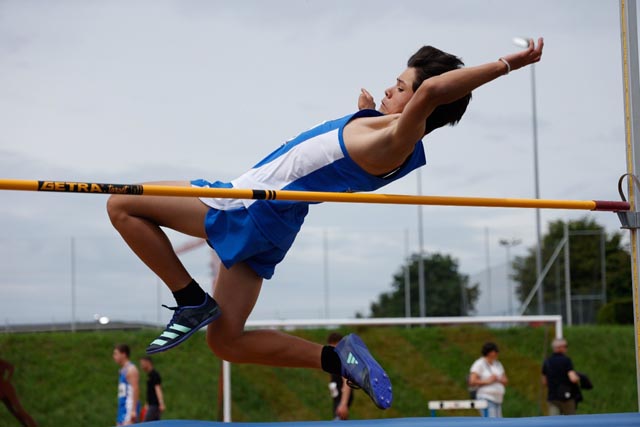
(342, 411)
(132, 419)
(365, 100)
(527, 56)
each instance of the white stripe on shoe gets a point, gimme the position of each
(170, 335)
(179, 328)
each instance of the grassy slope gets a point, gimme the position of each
(70, 379)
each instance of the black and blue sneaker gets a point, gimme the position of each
(362, 371)
(184, 323)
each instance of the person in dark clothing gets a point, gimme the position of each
(340, 391)
(155, 398)
(9, 397)
(561, 380)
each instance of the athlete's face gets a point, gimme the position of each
(118, 357)
(397, 96)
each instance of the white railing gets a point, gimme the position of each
(391, 321)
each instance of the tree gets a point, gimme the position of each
(584, 264)
(447, 291)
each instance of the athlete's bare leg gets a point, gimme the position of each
(10, 399)
(138, 220)
(237, 291)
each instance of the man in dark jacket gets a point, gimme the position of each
(155, 396)
(561, 380)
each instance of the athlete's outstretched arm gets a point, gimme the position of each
(451, 86)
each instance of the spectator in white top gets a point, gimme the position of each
(487, 374)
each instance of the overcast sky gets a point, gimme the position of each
(131, 91)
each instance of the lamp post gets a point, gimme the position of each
(407, 276)
(508, 244)
(488, 260)
(523, 42)
(325, 247)
(422, 293)
(73, 284)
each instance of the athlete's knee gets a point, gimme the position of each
(116, 208)
(217, 342)
(224, 346)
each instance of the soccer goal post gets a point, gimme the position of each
(392, 321)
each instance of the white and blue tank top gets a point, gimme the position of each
(125, 395)
(315, 160)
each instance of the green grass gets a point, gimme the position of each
(70, 379)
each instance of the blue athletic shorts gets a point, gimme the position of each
(235, 237)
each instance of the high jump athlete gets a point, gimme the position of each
(359, 152)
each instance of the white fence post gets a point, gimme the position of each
(226, 391)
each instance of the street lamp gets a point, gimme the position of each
(523, 42)
(508, 244)
(422, 293)
(103, 320)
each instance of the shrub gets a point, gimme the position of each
(618, 311)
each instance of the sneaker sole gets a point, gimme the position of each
(379, 381)
(185, 336)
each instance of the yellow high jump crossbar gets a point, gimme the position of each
(306, 196)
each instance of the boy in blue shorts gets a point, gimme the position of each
(359, 152)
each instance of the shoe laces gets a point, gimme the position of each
(176, 311)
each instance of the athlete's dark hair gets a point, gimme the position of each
(428, 62)
(488, 347)
(123, 348)
(334, 337)
(147, 358)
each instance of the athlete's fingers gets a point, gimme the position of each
(367, 94)
(365, 100)
(540, 45)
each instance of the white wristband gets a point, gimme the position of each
(505, 62)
